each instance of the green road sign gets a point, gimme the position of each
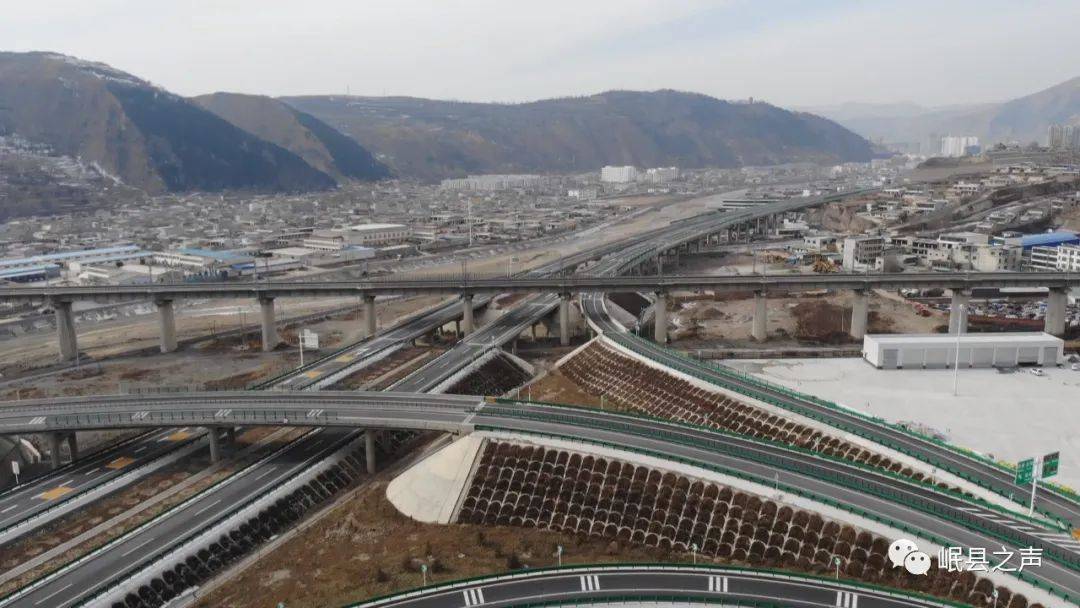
(1025, 471)
(1050, 465)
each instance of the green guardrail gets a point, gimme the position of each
(236, 508)
(710, 569)
(948, 513)
(788, 489)
(709, 372)
(925, 483)
(168, 512)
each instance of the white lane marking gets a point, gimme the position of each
(52, 595)
(9, 508)
(137, 547)
(847, 599)
(140, 449)
(473, 597)
(718, 584)
(38, 420)
(199, 512)
(268, 470)
(222, 413)
(139, 415)
(590, 582)
(315, 413)
(64, 483)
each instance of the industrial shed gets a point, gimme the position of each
(919, 351)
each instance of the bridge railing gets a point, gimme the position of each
(709, 569)
(794, 464)
(925, 484)
(716, 374)
(783, 486)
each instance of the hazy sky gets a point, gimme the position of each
(788, 52)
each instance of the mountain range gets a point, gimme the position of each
(139, 133)
(1024, 119)
(146, 137)
(431, 139)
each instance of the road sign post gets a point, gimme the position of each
(1025, 470)
(15, 470)
(1050, 464)
(308, 339)
(1034, 469)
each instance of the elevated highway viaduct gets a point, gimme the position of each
(904, 505)
(467, 288)
(687, 235)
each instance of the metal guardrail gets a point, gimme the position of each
(654, 567)
(788, 489)
(166, 513)
(346, 445)
(709, 372)
(926, 484)
(998, 531)
(64, 502)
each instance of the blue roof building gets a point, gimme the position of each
(1045, 239)
(120, 252)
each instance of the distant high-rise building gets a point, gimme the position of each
(1061, 137)
(619, 175)
(660, 175)
(959, 145)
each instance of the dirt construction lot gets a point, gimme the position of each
(808, 319)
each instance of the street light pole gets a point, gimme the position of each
(960, 312)
(1036, 470)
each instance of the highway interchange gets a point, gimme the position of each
(585, 426)
(949, 519)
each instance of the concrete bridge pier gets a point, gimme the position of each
(660, 318)
(858, 314)
(73, 447)
(958, 311)
(369, 450)
(467, 313)
(65, 330)
(532, 329)
(761, 317)
(269, 329)
(457, 328)
(167, 322)
(214, 435)
(370, 320)
(54, 450)
(1056, 304)
(564, 319)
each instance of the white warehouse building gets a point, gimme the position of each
(1002, 349)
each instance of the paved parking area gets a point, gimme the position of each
(1011, 416)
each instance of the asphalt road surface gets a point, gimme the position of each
(635, 585)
